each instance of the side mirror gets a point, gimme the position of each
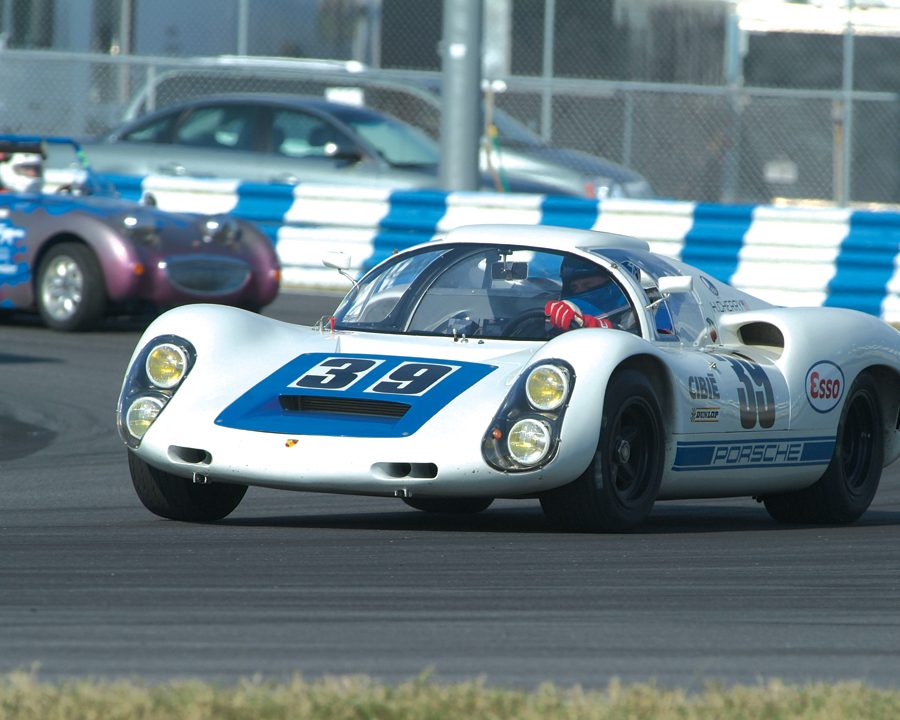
(336, 260)
(339, 261)
(675, 284)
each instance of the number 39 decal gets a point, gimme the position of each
(409, 378)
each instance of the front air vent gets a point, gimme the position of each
(343, 406)
(761, 333)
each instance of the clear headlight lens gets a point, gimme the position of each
(529, 441)
(220, 229)
(141, 226)
(166, 365)
(141, 414)
(547, 387)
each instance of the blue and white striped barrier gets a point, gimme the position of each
(788, 256)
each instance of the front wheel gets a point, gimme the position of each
(69, 289)
(617, 491)
(178, 498)
(849, 484)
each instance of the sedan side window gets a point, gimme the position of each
(297, 134)
(231, 127)
(156, 131)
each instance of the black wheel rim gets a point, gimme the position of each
(857, 441)
(632, 456)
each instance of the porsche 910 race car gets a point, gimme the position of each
(82, 253)
(441, 380)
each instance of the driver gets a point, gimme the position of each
(588, 291)
(21, 172)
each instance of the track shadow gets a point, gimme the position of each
(665, 519)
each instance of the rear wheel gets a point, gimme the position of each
(849, 484)
(178, 498)
(450, 506)
(617, 491)
(69, 290)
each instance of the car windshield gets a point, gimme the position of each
(484, 291)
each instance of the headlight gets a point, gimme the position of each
(547, 387)
(141, 226)
(141, 414)
(222, 229)
(166, 365)
(529, 441)
(153, 378)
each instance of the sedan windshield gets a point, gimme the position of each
(398, 143)
(464, 291)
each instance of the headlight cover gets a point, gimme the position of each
(547, 387)
(529, 440)
(524, 433)
(153, 378)
(220, 229)
(142, 226)
(166, 365)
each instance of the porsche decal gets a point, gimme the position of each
(731, 454)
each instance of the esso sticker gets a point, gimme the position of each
(824, 386)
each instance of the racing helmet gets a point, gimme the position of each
(575, 268)
(21, 172)
(598, 299)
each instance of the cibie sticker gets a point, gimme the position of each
(824, 386)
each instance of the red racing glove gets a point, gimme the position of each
(565, 315)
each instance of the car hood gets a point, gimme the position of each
(579, 161)
(364, 385)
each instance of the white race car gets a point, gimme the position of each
(445, 379)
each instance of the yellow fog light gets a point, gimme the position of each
(141, 414)
(547, 387)
(166, 365)
(529, 441)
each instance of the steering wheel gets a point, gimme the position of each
(519, 323)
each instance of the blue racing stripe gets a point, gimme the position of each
(714, 241)
(352, 395)
(865, 262)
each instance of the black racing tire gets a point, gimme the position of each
(69, 290)
(450, 506)
(851, 480)
(178, 498)
(617, 491)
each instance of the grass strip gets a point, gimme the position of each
(24, 697)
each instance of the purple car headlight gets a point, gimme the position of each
(221, 229)
(141, 226)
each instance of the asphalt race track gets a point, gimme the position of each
(92, 585)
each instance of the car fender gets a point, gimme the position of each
(595, 356)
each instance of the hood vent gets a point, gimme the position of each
(343, 406)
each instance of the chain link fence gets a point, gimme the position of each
(711, 101)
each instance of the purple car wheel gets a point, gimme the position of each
(69, 291)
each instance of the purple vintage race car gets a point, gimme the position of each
(82, 253)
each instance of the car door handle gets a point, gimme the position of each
(172, 168)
